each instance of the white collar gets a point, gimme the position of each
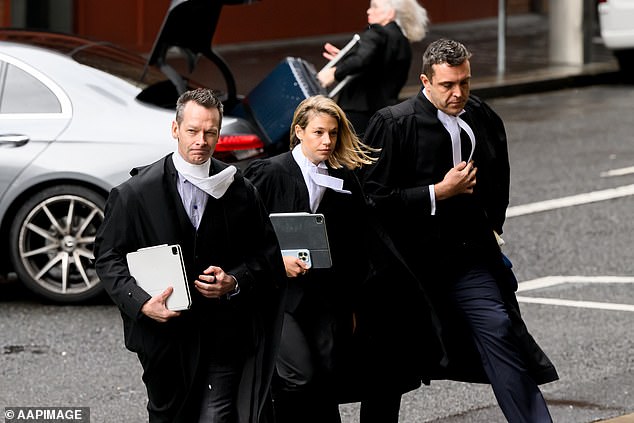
(214, 185)
(303, 162)
(311, 170)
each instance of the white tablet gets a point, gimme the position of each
(156, 268)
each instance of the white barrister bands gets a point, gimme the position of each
(214, 185)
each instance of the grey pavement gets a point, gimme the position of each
(527, 64)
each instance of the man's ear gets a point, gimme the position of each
(174, 130)
(424, 80)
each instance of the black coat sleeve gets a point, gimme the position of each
(387, 182)
(116, 237)
(369, 50)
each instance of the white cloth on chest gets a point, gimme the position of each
(316, 178)
(214, 185)
(453, 124)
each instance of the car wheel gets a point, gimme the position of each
(52, 241)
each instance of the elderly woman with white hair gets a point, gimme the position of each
(379, 63)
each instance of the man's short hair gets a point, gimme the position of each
(202, 96)
(442, 51)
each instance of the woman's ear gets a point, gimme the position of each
(299, 132)
(391, 14)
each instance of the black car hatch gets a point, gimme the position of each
(189, 26)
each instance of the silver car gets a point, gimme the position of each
(75, 117)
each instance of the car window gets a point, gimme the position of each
(23, 93)
(118, 62)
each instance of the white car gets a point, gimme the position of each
(75, 117)
(616, 23)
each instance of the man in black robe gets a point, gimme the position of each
(441, 185)
(214, 361)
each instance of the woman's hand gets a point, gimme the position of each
(326, 77)
(330, 51)
(294, 266)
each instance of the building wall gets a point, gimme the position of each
(4, 13)
(135, 23)
(130, 23)
(291, 18)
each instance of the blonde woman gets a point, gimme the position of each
(380, 62)
(330, 340)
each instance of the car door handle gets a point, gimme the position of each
(16, 139)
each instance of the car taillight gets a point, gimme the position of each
(237, 147)
(239, 142)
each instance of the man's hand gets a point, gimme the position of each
(459, 180)
(156, 309)
(215, 283)
(294, 266)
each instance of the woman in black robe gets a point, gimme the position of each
(377, 67)
(342, 339)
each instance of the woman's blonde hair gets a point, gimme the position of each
(349, 151)
(411, 17)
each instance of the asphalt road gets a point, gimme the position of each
(574, 260)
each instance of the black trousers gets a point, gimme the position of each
(220, 392)
(300, 395)
(477, 295)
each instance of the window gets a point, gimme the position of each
(23, 93)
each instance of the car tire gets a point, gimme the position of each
(52, 240)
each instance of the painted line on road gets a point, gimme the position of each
(578, 304)
(628, 418)
(549, 281)
(618, 172)
(573, 200)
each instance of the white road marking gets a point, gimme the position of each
(618, 172)
(558, 280)
(578, 304)
(573, 200)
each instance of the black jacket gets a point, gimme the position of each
(380, 65)
(235, 234)
(415, 153)
(382, 334)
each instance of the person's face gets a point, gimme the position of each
(198, 133)
(319, 138)
(380, 13)
(448, 89)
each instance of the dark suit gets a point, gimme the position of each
(380, 65)
(375, 354)
(455, 251)
(235, 234)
